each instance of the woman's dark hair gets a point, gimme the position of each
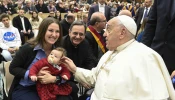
(35, 18)
(42, 31)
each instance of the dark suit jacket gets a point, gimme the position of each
(93, 43)
(65, 26)
(10, 8)
(95, 8)
(139, 15)
(19, 65)
(160, 32)
(18, 24)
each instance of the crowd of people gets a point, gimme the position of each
(53, 57)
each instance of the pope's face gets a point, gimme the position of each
(112, 34)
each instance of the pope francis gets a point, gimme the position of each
(129, 70)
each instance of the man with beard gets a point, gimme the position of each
(23, 25)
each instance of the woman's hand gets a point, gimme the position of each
(42, 70)
(45, 77)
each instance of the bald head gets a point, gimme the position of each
(96, 14)
(125, 12)
(96, 17)
(98, 21)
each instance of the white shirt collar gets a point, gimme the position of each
(148, 8)
(123, 46)
(57, 66)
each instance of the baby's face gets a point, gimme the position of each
(54, 57)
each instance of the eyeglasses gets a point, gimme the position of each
(80, 34)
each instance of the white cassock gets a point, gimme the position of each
(133, 72)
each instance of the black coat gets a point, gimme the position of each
(160, 32)
(95, 8)
(10, 8)
(18, 23)
(93, 43)
(139, 16)
(65, 26)
(19, 65)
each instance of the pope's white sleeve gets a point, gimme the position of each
(86, 76)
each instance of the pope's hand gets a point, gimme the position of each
(69, 64)
(85, 85)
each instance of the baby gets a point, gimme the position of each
(56, 68)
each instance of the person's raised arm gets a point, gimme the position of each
(69, 64)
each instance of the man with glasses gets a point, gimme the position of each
(94, 34)
(78, 50)
(24, 26)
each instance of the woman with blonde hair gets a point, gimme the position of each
(141, 30)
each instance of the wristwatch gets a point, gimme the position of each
(58, 79)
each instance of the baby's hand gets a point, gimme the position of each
(65, 77)
(33, 78)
